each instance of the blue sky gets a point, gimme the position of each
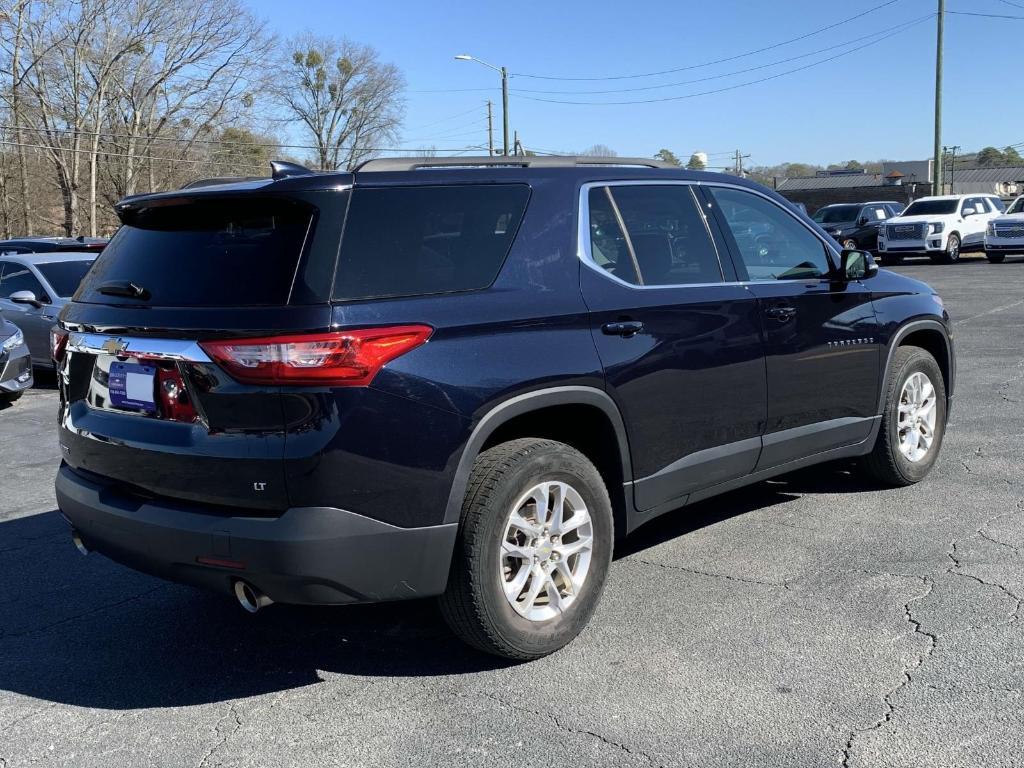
(875, 101)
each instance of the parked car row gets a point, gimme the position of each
(941, 227)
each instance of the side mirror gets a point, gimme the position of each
(862, 221)
(25, 297)
(858, 265)
(969, 212)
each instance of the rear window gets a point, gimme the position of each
(413, 241)
(64, 276)
(206, 252)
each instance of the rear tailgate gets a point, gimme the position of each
(144, 409)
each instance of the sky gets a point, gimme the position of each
(874, 100)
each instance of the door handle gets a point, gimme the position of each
(624, 328)
(781, 314)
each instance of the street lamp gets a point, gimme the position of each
(504, 94)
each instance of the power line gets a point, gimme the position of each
(854, 41)
(1012, 4)
(987, 15)
(726, 88)
(442, 120)
(718, 61)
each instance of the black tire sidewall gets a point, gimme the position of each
(924, 363)
(530, 637)
(995, 258)
(949, 256)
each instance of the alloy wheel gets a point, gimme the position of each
(917, 414)
(545, 551)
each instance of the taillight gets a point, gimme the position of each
(340, 358)
(58, 343)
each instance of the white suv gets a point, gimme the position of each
(1005, 234)
(938, 227)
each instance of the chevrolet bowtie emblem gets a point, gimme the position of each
(114, 346)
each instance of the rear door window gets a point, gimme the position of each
(665, 242)
(241, 251)
(415, 241)
(64, 276)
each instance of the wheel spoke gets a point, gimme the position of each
(555, 599)
(570, 549)
(520, 522)
(540, 499)
(514, 587)
(557, 494)
(562, 567)
(537, 579)
(508, 549)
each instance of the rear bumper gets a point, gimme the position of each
(312, 556)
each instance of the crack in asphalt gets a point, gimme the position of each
(953, 570)
(905, 678)
(232, 713)
(570, 729)
(783, 584)
(99, 609)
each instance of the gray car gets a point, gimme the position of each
(34, 287)
(15, 363)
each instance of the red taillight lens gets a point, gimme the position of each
(341, 358)
(58, 343)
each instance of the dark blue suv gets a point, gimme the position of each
(427, 379)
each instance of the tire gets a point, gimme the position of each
(474, 604)
(850, 244)
(892, 259)
(888, 463)
(9, 397)
(952, 253)
(995, 258)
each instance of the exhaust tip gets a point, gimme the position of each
(79, 545)
(250, 598)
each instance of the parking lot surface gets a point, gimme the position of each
(807, 621)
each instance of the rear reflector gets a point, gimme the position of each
(340, 358)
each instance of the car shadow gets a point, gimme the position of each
(88, 632)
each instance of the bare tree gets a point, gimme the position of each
(346, 98)
(598, 150)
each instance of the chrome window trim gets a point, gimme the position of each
(583, 251)
(160, 349)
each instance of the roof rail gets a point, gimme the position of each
(383, 164)
(213, 182)
(282, 169)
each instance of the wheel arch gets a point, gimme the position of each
(932, 336)
(584, 417)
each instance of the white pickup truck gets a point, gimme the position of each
(1005, 234)
(938, 227)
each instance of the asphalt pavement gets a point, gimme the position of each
(806, 621)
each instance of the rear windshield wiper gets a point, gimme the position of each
(124, 288)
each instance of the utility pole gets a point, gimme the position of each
(490, 130)
(504, 108)
(952, 163)
(937, 169)
(738, 163)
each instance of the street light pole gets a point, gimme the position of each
(504, 94)
(937, 170)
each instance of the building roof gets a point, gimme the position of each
(831, 182)
(1010, 173)
(985, 175)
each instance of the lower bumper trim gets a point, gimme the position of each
(310, 556)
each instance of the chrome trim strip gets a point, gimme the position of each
(160, 349)
(583, 252)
